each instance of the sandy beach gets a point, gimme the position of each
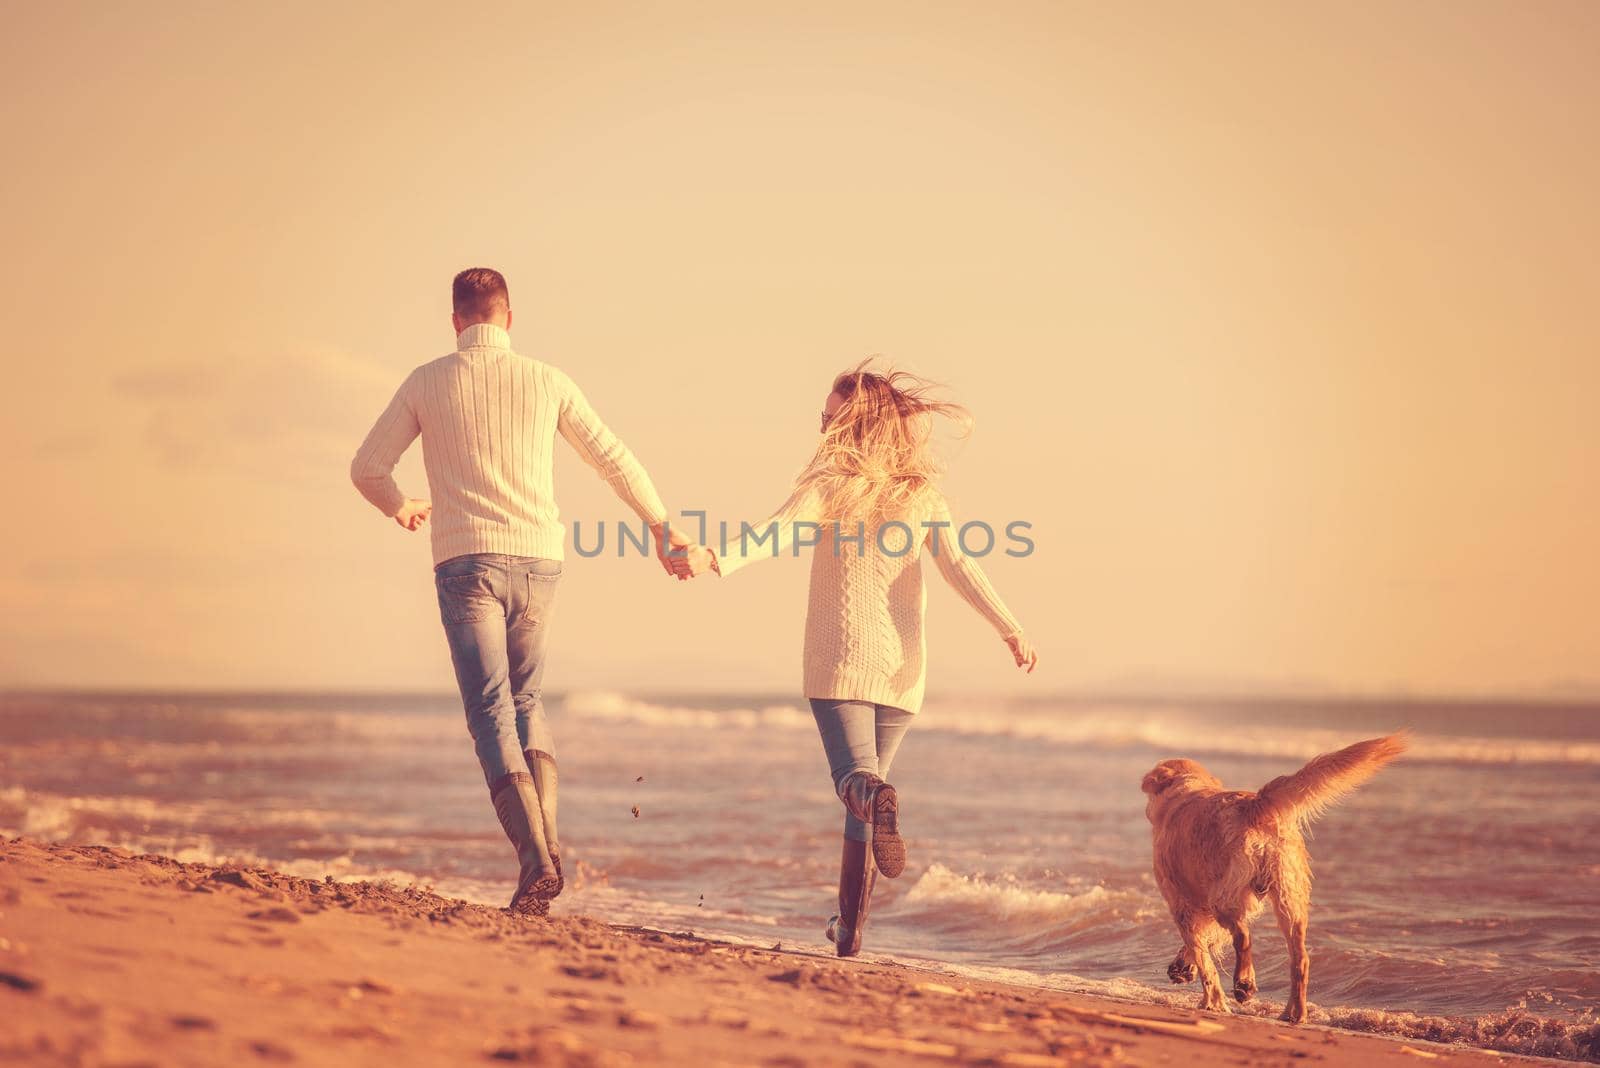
(107, 958)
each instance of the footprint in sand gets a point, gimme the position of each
(272, 1051)
(278, 914)
(15, 981)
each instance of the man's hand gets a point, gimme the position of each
(413, 513)
(1023, 652)
(695, 561)
(670, 555)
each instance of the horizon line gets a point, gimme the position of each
(1580, 699)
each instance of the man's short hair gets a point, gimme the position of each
(479, 292)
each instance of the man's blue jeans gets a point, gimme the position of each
(496, 613)
(858, 736)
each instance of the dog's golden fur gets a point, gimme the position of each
(1220, 854)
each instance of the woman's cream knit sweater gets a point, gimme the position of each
(864, 638)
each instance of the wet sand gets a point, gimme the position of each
(112, 959)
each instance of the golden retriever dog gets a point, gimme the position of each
(1219, 853)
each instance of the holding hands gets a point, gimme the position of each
(695, 561)
(680, 557)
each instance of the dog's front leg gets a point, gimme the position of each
(1244, 965)
(1194, 945)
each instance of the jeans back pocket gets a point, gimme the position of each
(541, 594)
(468, 597)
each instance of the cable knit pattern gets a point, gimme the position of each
(864, 636)
(488, 420)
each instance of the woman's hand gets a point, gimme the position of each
(1023, 651)
(695, 561)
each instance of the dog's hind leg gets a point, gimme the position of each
(1196, 943)
(1293, 915)
(1182, 969)
(1244, 965)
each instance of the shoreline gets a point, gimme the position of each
(107, 957)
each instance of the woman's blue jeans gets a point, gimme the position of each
(858, 736)
(496, 613)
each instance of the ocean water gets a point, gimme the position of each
(1457, 895)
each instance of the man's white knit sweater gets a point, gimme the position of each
(864, 618)
(488, 419)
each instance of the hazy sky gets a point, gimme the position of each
(1279, 322)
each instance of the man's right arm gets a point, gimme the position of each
(605, 452)
(372, 470)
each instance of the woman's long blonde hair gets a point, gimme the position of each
(876, 459)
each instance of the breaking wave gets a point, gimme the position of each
(1106, 727)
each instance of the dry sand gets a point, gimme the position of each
(112, 959)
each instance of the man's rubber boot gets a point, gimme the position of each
(543, 767)
(516, 802)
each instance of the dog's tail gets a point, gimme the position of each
(1312, 790)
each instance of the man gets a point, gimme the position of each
(488, 419)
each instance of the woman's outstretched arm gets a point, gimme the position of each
(800, 515)
(967, 578)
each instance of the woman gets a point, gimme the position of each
(868, 501)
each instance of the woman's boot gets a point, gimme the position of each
(516, 802)
(857, 876)
(543, 767)
(873, 801)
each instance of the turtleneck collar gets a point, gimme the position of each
(483, 336)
